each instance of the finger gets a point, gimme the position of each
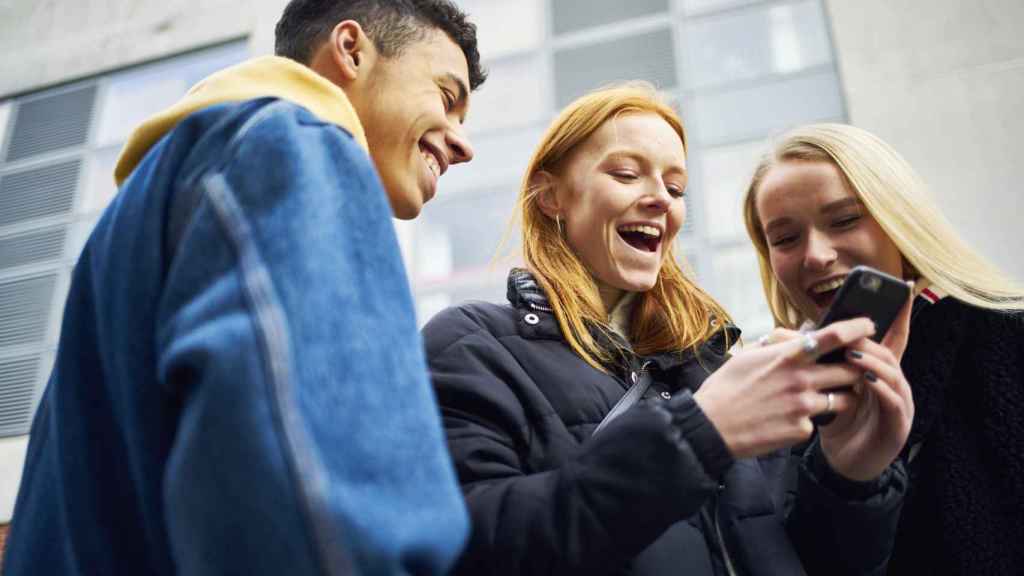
(872, 357)
(777, 335)
(827, 376)
(888, 400)
(836, 335)
(896, 338)
(830, 405)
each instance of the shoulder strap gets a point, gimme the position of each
(631, 397)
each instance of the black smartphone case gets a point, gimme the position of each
(866, 292)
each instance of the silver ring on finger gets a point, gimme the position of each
(828, 402)
(809, 345)
(764, 340)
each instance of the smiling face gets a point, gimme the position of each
(620, 199)
(817, 229)
(412, 109)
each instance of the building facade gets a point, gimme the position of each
(940, 80)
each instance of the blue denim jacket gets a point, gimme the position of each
(240, 387)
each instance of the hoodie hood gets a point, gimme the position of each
(268, 76)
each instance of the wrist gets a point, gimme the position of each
(838, 481)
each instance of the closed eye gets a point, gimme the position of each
(625, 175)
(783, 241)
(846, 221)
(676, 191)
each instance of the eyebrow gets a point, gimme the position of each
(826, 209)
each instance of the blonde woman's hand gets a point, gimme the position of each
(871, 429)
(763, 398)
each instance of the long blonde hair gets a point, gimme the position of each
(675, 314)
(899, 201)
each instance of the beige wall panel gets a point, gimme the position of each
(943, 81)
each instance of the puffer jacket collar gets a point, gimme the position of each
(527, 297)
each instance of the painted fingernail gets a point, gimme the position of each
(870, 376)
(856, 354)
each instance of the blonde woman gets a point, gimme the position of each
(829, 197)
(596, 422)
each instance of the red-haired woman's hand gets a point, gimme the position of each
(763, 398)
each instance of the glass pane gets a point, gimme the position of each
(752, 43)
(101, 180)
(766, 109)
(492, 289)
(570, 16)
(495, 36)
(135, 94)
(461, 236)
(647, 56)
(5, 115)
(512, 96)
(696, 6)
(724, 175)
(737, 286)
(499, 160)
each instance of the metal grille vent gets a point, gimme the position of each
(38, 246)
(51, 123)
(643, 57)
(17, 386)
(37, 192)
(25, 309)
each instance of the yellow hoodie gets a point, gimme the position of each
(271, 76)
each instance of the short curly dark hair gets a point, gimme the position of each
(391, 24)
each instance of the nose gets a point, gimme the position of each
(458, 145)
(658, 200)
(819, 253)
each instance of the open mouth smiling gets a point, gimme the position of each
(822, 293)
(643, 237)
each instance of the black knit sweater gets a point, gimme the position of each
(965, 510)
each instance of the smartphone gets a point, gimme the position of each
(865, 292)
(869, 293)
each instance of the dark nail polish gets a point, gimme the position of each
(856, 354)
(870, 376)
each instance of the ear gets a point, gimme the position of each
(545, 186)
(352, 51)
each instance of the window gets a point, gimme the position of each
(739, 72)
(58, 148)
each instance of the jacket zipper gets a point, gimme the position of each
(721, 541)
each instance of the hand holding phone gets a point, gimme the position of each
(869, 293)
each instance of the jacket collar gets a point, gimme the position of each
(267, 76)
(527, 297)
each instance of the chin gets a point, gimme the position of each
(404, 208)
(637, 283)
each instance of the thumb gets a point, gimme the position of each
(896, 338)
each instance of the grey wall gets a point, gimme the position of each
(943, 82)
(44, 42)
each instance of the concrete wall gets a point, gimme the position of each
(943, 82)
(45, 42)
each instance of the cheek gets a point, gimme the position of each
(782, 267)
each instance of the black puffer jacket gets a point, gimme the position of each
(965, 509)
(656, 492)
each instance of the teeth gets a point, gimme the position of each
(648, 230)
(828, 285)
(432, 163)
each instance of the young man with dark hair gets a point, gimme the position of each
(239, 386)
